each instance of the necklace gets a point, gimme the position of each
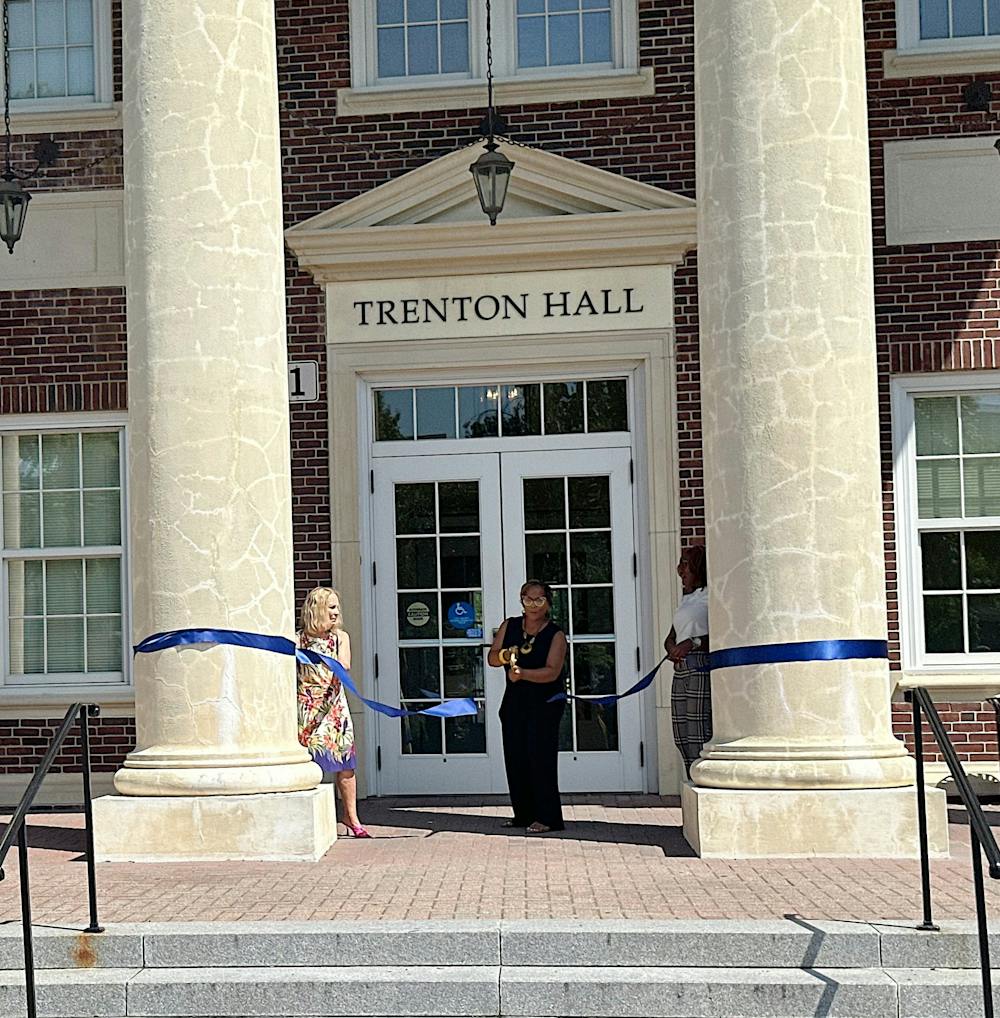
(525, 648)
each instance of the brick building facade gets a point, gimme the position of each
(937, 300)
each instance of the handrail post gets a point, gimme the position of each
(925, 860)
(88, 711)
(984, 933)
(29, 946)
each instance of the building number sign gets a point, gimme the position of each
(303, 381)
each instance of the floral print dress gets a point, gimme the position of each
(325, 726)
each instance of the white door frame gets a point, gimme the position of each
(645, 355)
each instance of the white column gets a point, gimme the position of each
(209, 469)
(792, 481)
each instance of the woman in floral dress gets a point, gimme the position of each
(325, 726)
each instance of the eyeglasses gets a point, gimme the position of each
(534, 602)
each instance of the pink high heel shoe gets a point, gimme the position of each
(357, 832)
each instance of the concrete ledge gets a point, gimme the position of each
(873, 823)
(690, 943)
(956, 946)
(118, 947)
(276, 826)
(389, 990)
(328, 944)
(97, 993)
(948, 993)
(695, 993)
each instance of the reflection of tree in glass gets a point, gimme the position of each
(607, 409)
(943, 625)
(387, 423)
(484, 425)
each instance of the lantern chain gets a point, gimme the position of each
(6, 87)
(489, 67)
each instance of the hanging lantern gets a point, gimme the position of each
(13, 210)
(491, 172)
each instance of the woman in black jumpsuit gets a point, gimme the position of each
(532, 650)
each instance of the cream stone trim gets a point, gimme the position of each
(26, 702)
(92, 117)
(958, 687)
(938, 63)
(57, 789)
(363, 102)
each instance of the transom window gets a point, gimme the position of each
(940, 24)
(396, 42)
(954, 519)
(501, 410)
(59, 52)
(61, 520)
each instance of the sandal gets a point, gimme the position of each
(537, 828)
(357, 832)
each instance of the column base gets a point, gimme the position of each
(274, 826)
(722, 823)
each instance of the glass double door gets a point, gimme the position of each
(454, 538)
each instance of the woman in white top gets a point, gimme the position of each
(687, 646)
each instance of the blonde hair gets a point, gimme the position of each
(317, 601)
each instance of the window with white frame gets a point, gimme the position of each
(948, 24)
(420, 41)
(949, 475)
(60, 53)
(63, 579)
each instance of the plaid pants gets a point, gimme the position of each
(691, 707)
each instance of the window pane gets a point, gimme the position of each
(560, 614)
(593, 611)
(546, 557)
(982, 487)
(597, 38)
(993, 17)
(100, 461)
(80, 21)
(933, 19)
(61, 519)
(415, 509)
(981, 423)
(459, 506)
(984, 623)
(544, 503)
(419, 673)
(596, 727)
(466, 734)
(22, 526)
(104, 644)
(477, 411)
(463, 672)
(590, 556)
(416, 563)
(967, 18)
(564, 39)
(589, 502)
(393, 414)
(20, 462)
(436, 413)
(460, 562)
(51, 65)
(563, 408)
(418, 615)
(531, 42)
(420, 734)
(80, 64)
(454, 10)
(391, 53)
(24, 588)
(22, 29)
(938, 489)
(943, 624)
(104, 586)
(607, 405)
(461, 610)
(422, 55)
(64, 644)
(64, 587)
(27, 646)
(390, 12)
(50, 27)
(982, 560)
(421, 10)
(22, 75)
(60, 461)
(522, 410)
(530, 6)
(454, 48)
(101, 518)
(937, 426)
(942, 561)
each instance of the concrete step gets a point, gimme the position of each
(474, 992)
(788, 943)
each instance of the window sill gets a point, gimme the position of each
(957, 686)
(22, 702)
(93, 117)
(359, 102)
(938, 63)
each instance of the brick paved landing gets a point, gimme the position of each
(443, 858)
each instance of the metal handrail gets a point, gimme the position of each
(18, 829)
(980, 832)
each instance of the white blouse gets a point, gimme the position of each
(691, 617)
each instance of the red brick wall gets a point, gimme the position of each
(23, 743)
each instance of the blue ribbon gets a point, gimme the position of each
(809, 650)
(465, 707)
(605, 701)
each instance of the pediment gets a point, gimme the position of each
(414, 223)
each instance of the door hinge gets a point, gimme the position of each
(371, 482)
(378, 758)
(376, 665)
(637, 665)
(631, 471)
(374, 574)
(635, 564)
(642, 754)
